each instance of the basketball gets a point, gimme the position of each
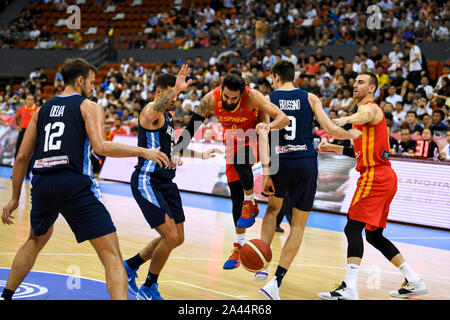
(255, 255)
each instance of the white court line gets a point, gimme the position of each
(209, 259)
(201, 288)
(175, 281)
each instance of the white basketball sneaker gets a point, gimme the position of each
(410, 289)
(271, 290)
(261, 276)
(342, 292)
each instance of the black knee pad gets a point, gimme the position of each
(355, 245)
(382, 244)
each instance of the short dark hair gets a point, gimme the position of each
(372, 78)
(285, 69)
(73, 68)
(165, 80)
(413, 112)
(406, 128)
(431, 130)
(441, 113)
(234, 81)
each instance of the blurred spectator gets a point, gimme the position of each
(445, 153)
(312, 67)
(427, 148)
(394, 56)
(439, 33)
(327, 90)
(383, 79)
(118, 128)
(421, 106)
(407, 145)
(109, 134)
(398, 114)
(261, 32)
(179, 112)
(393, 97)
(425, 84)
(415, 61)
(438, 126)
(445, 74)
(411, 122)
(426, 121)
(193, 101)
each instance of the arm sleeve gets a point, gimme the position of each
(349, 152)
(188, 132)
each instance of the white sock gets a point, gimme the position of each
(240, 238)
(408, 272)
(250, 197)
(351, 278)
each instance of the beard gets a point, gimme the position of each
(230, 107)
(84, 92)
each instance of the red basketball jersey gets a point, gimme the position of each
(372, 147)
(242, 117)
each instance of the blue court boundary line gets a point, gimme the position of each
(421, 236)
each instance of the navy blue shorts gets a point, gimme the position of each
(76, 197)
(157, 197)
(299, 178)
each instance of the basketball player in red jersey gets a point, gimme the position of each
(238, 108)
(375, 190)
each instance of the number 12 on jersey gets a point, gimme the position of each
(53, 131)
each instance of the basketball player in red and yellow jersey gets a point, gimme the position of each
(375, 190)
(238, 108)
(21, 121)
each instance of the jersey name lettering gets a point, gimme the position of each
(289, 104)
(57, 111)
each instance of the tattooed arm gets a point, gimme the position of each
(207, 105)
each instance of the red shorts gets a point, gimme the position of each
(229, 156)
(375, 190)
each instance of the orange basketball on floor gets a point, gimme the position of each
(255, 255)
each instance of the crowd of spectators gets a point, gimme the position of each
(283, 23)
(416, 108)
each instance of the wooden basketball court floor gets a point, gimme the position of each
(194, 270)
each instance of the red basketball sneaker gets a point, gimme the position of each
(248, 215)
(233, 261)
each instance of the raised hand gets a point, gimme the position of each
(181, 84)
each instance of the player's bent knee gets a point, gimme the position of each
(172, 239)
(180, 240)
(273, 209)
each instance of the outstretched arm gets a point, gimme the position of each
(94, 117)
(206, 106)
(329, 147)
(365, 114)
(257, 100)
(325, 122)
